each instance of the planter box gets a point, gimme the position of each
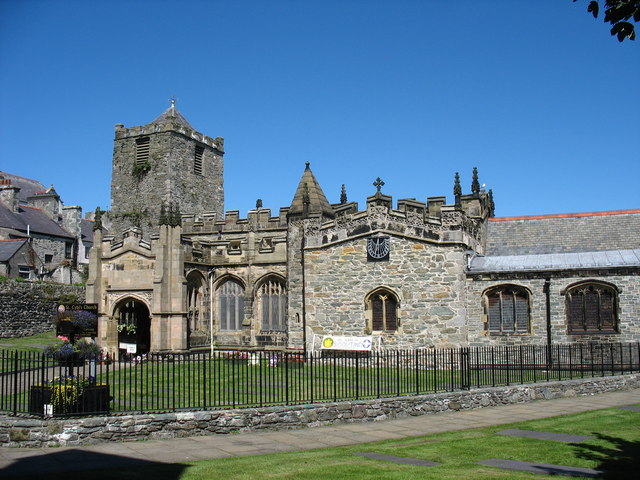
(94, 399)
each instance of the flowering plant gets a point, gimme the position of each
(237, 355)
(80, 322)
(296, 358)
(67, 351)
(127, 328)
(67, 390)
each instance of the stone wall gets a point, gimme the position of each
(27, 307)
(627, 283)
(30, 432)
(427, 280)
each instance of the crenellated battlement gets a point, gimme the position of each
(257, 220)
(434, 221)
(122, 132)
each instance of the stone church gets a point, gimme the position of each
(179, 273)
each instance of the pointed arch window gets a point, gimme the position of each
(591, 308)
(272, 301)
(230, 299)
(507, 309)
(383, 305)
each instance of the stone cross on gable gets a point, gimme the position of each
(378, 183)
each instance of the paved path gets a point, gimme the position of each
(24, 461)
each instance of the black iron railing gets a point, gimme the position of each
(32, 383)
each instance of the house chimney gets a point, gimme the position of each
(9, 194)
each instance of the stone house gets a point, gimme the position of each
(58, 235)
(178, 274)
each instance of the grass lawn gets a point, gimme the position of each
(615, 447)
(34, 343)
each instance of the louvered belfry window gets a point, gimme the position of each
(507, 310)
(230, 305)
(591, 308)
(384, 311)
(197, 160)
(142, 151)
(272, 300)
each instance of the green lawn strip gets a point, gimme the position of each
(614, 448)
(33, 343)
(218, 384)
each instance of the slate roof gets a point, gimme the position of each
(36, 219)
(172, 115)
(28, 187)
(8, 248)
(556, 261)
(564, 233)
(318, 202)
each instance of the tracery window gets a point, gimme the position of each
(272, 301)
(230, 297)
(384, 310)
(591, 308)
(507, 309)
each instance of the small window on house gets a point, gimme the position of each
(142, 151)
(48, 258)
(24, 271)
(67, 250)
(230, 305)
(591, 308)
(197, 160)
(383, 305)
(507, 309)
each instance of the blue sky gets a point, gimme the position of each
(537, 95)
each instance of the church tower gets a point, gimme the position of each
(164, 163)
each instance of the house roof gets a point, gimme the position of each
(309, 189)
(556, 261)
(28, 187)
(35, 219)
(564, 233)
(8, 248)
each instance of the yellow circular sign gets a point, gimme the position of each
(327, 342)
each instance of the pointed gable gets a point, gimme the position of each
(172, 115)
(310, 192)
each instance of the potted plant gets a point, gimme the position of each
(69, 394)
(73, 354)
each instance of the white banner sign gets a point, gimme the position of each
(336, 342)
(129, 347)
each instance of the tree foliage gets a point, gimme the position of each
(618, 13)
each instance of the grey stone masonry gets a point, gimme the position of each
(169, 175)
(27, 308)
(628, 307)
(35, 432)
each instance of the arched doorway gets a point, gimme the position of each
(134, 327)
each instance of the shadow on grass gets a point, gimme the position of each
(68, 464)
(619, 459)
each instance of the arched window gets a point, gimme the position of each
(507, 309)
(230, 298)
(591, 308)
(272, 302)
(383, 305)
